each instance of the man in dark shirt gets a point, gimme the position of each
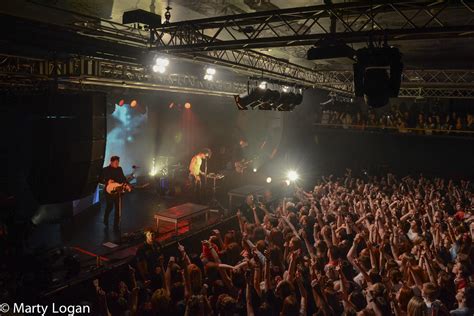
(148, 256)
(247, 209)
(240, 152)
(113, 173)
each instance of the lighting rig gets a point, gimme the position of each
(269, 95)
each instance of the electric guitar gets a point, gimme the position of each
(240, 166)
(115, 187)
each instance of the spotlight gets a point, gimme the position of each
(160, 69)
(210, 72)
(285, 88)
(160, 64)
(269, 99)
(292, 176)
(289, 101)
(208, 77)
(263, 85)
(269, 180)
(154, 169)
(162, 61)
(133, 103)
(187, 105)
(246, 100)
(254, 169)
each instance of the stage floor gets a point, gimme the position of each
(86, 233)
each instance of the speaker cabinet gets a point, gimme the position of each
(60, 145)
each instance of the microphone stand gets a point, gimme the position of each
(205, 175)
(120, 194)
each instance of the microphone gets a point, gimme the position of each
(135, 167)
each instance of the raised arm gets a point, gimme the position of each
(248, 293)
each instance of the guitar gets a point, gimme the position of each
(240, 166)
(196, 178)
(115, 187)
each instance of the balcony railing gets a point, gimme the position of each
(401, 130)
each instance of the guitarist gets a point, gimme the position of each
(113, 173)
(195, 172)
(240, 156)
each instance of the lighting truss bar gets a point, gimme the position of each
(441, 83)
(254, 63)
(25, 71)
(409, 20)
(450, 93)
(21, 71)
(251, 62)
(432, 78)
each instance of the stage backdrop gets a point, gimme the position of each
(161, 125)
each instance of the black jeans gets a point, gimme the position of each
(112, 202)
(196, 188)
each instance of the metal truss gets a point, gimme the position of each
(253, 63)
(412, 77)
(355, 22)
(245, 61)
(441, 83)
(451, 93)
(23, 71)
(257, 64)
(87, 71)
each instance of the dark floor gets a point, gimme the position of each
(83, 236)
(85, 233)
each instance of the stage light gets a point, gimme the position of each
(263, 85)
(133, 103)
(160, 64)
(269, 180)
(246, 100)
(285, 88)
(160, 69)
(269, 99)
(162, 61)
(292, 175)
(254, 169)
(154, 169)
(187, 105)
(211, 71)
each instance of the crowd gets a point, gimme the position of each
(351, 246)
(401, 121)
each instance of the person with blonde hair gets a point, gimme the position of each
(417, 307)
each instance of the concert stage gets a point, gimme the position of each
(83, 237)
